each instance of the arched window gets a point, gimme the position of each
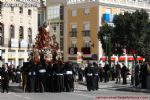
(12, 31)
(1, 34)
(30, 35)
(21, 31)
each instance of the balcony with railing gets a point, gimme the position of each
(86, 50)
(86, 33)
(73, 33)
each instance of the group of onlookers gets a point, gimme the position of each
(140, 74)
(7, 74)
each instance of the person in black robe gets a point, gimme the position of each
(31, 77)
(68, 78)
(58, 82)
(89, 75)
(42, 76)
(5, 78)
(96, 76)
(50, 78)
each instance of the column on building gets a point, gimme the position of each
(16, 58)
(26, 55)
(6, 55)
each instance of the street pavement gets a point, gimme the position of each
(110, 89)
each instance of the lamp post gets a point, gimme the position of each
(107, 39)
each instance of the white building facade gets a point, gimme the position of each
(55, 19)
(18, 29)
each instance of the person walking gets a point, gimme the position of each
(118, 73)
(101, 72)
(106, 72)
(96, 75)
(5, 78)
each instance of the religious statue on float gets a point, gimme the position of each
(46, 47)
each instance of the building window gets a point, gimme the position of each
(54, 28)
(21, 31)
(20, 10)
(107, 16)
(29, 37)
(86, 44)
(73, 50)
(54, 12)
(0, 11)
(74, 12)
(61, 28)
(86, 11)
(86, 26)
(61, 13)
(12, 9)
(12, 31)
(1, 7)
(74, 44)
(61, 43)
(74, 30)
(29, 11)
(1, 33)
(86, 29)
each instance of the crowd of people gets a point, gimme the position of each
(61, 76)
(9, 74)
(52, 77)
(140, 74)
(117, 72)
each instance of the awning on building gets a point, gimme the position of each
(104, 58)
(122, 58)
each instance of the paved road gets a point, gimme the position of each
(106, 90)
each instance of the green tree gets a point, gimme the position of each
(131, 32)
(145, 47)
(131, 29)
